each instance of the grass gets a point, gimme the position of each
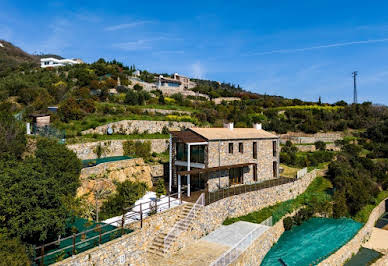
(96, 137)
(289, 171)
(309, 107)
(151, 106)
(316, 190)
(74, 127)
(363, 215)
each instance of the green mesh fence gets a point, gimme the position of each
(94, 162)
(64, 248)
(49, 132)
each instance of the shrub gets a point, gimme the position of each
(320, 145)
(288, 223)
(137, 87)
(160, 188)
(127, 193)
(137, 148)
(12, 137)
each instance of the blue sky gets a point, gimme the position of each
(297, 49)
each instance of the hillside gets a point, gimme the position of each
(12, 58)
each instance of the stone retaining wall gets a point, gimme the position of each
(165, 112)
(138, 126)
(257, 250)
(311, 148)
(352, 247)
(129, 249)
(303, 138)
(213, 215)
(87, 151)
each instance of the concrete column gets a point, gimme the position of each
(170, 166)
(188, 169)
(179, 186)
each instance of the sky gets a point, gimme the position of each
(296, 49)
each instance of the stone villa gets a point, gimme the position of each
(214, 158)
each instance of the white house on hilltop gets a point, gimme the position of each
(53, 62)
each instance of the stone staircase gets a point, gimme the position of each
(163, 241)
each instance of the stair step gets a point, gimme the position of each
(158, 253)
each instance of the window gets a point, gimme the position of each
(230, 147)
(255, 172)
(181, 151)
(241, 147)
(254, 150)
(274, 146)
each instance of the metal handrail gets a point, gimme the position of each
(124, 217)
(176, 230)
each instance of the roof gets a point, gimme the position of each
(187, 136)
(213, 169)
(236, 133)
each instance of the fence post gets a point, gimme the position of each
(99, 237)
(141, 216)
(42, 254)
(122, 223)
(169, 200)
(73, 244)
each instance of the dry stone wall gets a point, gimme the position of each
(87, 151)
(303, 138)
(129, 249)
(352, 247)
(138, 126)
(311, 148)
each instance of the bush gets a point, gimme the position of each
(13, 252)
(288, 223)
(320, 145)
(137, 87)
(127, 193)
(137, 148)
(160, 188)
(12, 136)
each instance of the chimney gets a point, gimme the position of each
(229, 125)
(257, 126)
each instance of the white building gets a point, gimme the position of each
(53, 62)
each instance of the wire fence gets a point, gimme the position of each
(240, 189)
(49, 132)
(102, 232)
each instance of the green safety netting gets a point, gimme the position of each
(94, 162)
(53, 253)
(311, 242)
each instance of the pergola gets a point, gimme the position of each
(205, 170)
(190, 139)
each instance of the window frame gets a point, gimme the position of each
(241, 147)
(254, 150)
(230, 147)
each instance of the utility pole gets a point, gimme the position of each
(354, 87)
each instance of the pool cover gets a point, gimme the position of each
(363, 257)
(311, 242)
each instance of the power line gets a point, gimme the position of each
(354, 86)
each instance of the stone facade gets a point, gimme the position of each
(139, 126)
(352, 247)
(87, 151)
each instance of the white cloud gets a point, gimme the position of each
(197, 70)
(285, 51)
(134, 45)
(127, 25)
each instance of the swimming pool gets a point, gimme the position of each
(94, 162)
(312, 241)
